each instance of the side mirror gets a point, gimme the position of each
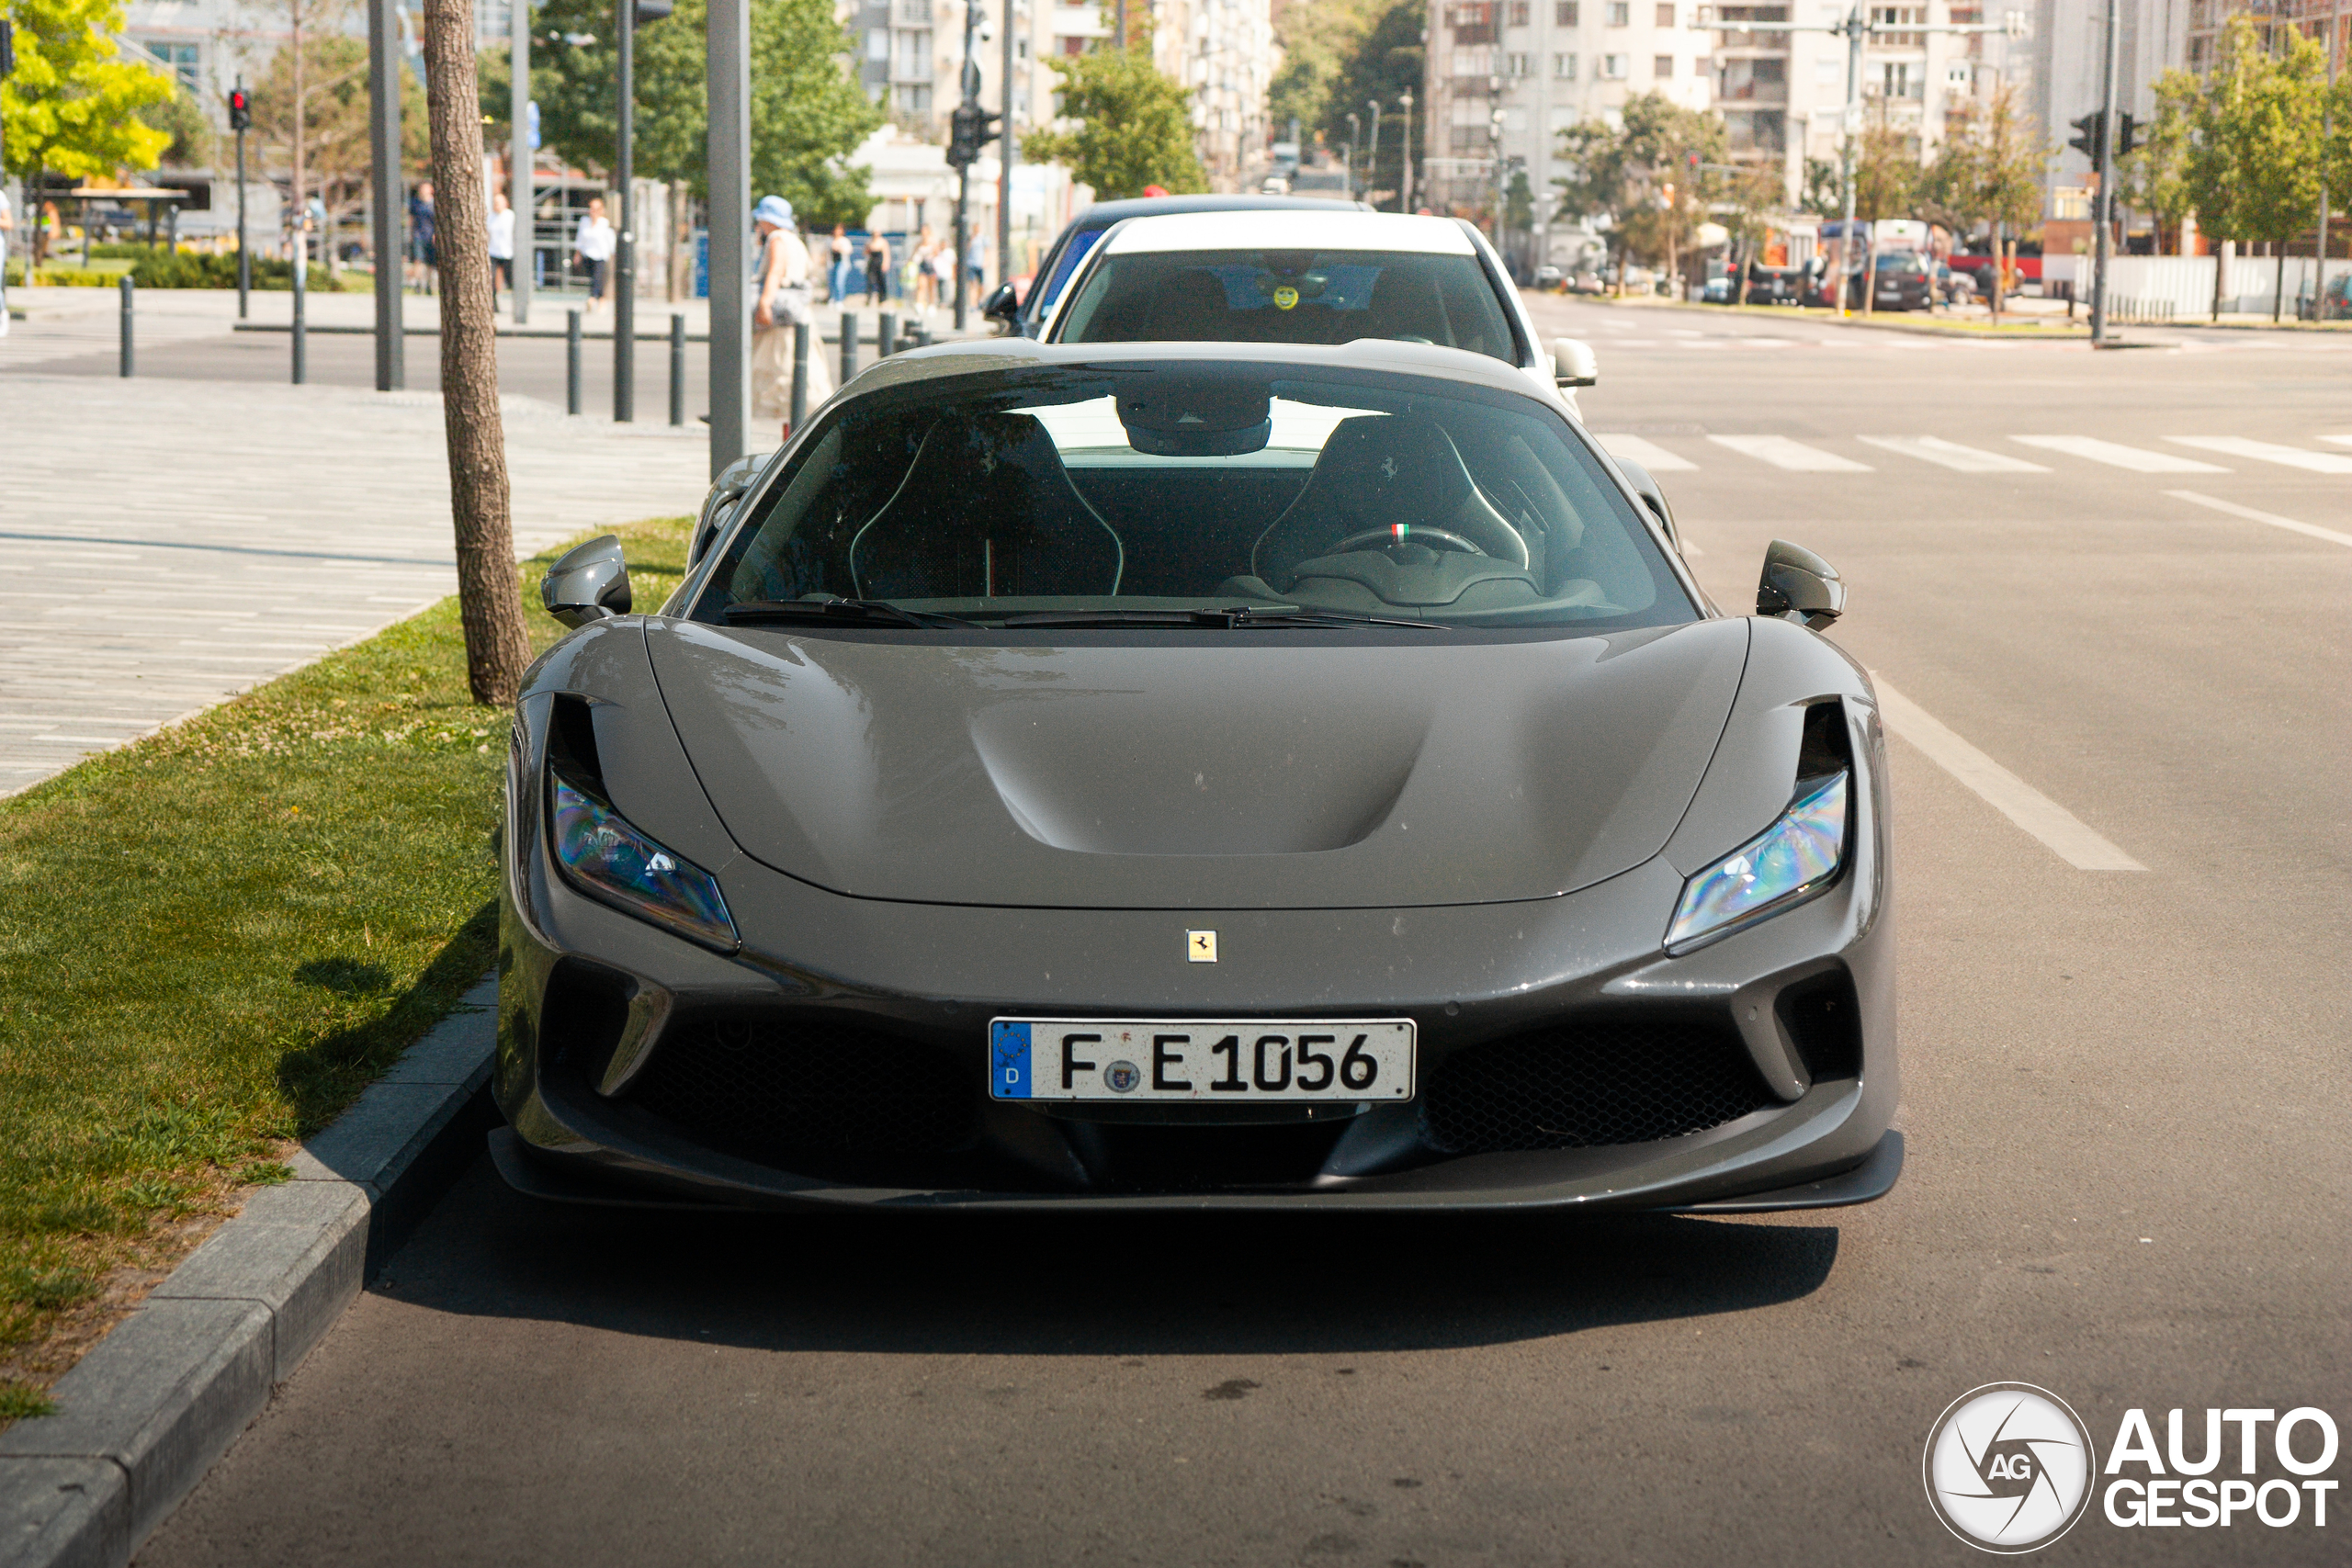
(588, 584)
(1652, 497)
(1800, 586)
(1003, 304)
(719, 506)
(1574, 363)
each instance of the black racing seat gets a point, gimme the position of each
(986, 511)
(1187, 306)
(1375, 472)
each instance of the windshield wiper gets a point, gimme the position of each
(852, 611)
(1240, 617)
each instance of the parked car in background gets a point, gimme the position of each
(1902, 282)
(1021, 311)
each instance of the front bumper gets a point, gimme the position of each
(590, 999)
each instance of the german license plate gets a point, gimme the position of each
(1200, 1060)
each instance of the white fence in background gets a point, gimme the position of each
(2185, 284)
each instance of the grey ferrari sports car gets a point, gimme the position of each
(1195, 776)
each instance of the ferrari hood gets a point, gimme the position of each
(1241, 770)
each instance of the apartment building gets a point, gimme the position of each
(911, 54)
(1506, 76)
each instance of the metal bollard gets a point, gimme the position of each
(849, 345)
(799, 373)
(885, 332)
(127, 354)
(301, 336)
(571, 362)
(677, 368)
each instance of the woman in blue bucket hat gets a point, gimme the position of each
(782, 303)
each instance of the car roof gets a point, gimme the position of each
(1291, 229)
(1103, 214)
(967, 356)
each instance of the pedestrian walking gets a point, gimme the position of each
(783, 302)
(502, 246)
(924, 284)
(422, 235)
(837, 274)
(593, 244)
(878, 269)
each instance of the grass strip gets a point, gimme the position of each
(212, 940)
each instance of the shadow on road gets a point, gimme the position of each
(1088, 1286)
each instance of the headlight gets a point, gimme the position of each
(1789, 863)
(607, 859)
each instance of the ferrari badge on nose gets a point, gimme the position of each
(1200, 946)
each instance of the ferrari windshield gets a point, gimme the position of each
(1317, 296)
(1189, 493)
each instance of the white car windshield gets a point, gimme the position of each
(1306, 296)
(1197, 491)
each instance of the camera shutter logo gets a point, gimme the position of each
(2008, 1467)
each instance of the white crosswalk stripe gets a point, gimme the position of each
(1794, 456)
(1648, 454)
(2338, 440)
(1953, 454)
(2267, 452)
(2115, 455)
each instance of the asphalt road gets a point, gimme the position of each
(2129, 1160)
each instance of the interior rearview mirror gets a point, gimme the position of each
(588, 584)
(719, 506)
(1800, 586)
(1003, 304)
(1574, 363)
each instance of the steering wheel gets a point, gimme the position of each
(1406, 534)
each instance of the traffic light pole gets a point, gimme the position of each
(970, 108)
(521, 200)
(2103, 159)
(244, 260)
(384, 149)
(1009, 151)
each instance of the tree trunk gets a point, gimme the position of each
(497, 649)
(2279, 288)
(2220, 261)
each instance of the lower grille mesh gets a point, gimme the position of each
(1588, 1083)
(810, 1096)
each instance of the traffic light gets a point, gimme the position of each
(2125, 129)
(651, 11)
(970, 127)
(241, 109)
(2086, 137)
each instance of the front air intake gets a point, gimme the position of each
(1588, 1084)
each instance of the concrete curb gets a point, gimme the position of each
(142, 1417)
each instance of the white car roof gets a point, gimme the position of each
(1339, 230)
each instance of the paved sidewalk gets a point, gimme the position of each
(165, 544)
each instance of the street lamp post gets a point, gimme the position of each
(625, 250)
(1355, 127)
(384, 149)
(727, 67)
(1371, 156)
(520, 198)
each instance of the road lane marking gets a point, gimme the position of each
(2059, 830)
(1794, 456)
(1953, 454)
(2251, 516)
(1648, 454)
(2267, 452)
(2117, 455)
(2338, 440)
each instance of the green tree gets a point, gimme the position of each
(2153, 177)
(1886, 170)
(1640, 176)
(181, 118)
(1381, 62)
(336, 153)
(1746, 200)
(73, 107)
(2253, 163)
(1133, 126)
(1316, 40)
(808, 113)
(1989, 171)
(1825, 191)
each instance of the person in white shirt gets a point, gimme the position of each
(783, 276)
(502, 244)
(593, 244)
